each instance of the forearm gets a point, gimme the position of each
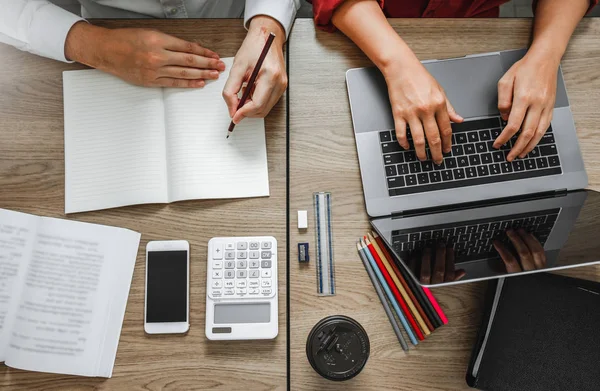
(365, 24)
(555, 21)
(269, 25)
(83, 44)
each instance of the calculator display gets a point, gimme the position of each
(167, 286)
(242, 313)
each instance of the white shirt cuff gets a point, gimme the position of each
(48, 31)
(283, 11)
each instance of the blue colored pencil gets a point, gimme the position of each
(381, 295)
(389, 294)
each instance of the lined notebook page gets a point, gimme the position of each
(114, 143)
(202, 162)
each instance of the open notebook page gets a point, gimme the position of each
(114, 143)
(202, 162)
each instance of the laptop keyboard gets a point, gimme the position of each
(474, 239)
(473, 160)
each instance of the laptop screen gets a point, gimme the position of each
(507, 238)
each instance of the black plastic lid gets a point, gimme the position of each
(338, 348)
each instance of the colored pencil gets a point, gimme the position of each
(397, 294)
(381, 295)
(418, 291)
(386, 288)
(405, 296)
(435, 304)
(415, 300)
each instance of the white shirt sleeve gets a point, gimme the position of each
(284, 11)
(36, 26)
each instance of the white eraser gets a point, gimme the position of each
(302, 219)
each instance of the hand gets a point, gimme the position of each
(143, 57)
(272, 78)
(443, 268)
(526, 95)
(419, 101)
(531, 255)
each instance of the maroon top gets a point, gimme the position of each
(323, 9)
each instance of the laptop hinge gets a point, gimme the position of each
(476, 204)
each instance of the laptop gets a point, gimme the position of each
(475, 195)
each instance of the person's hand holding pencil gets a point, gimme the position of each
(257, 57)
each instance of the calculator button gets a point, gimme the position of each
(254, 264)
(229, 273)
(229, 284)
(217, 284)
(217, 264)
(217, 274)
(242, 254)
(265, 254)
(265, 283)
(241, 291)
(229, 254)
(264, 291)
(216, 292)
(229, 246)
(241, 264)
(254, 254)
(263, 274)
(218, 251)
(241, 283)
(242, 274)
(229, 264)
(253, 284)
(265, 264)
(254, 245)
(229, 292)
(242, 245)
(266, 245)
(254, 291)
(253, 274)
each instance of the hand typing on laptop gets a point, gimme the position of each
(437, 265)
(530, 254)
(526, 93)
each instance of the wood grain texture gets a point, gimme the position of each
(323, 158)
(32, 181)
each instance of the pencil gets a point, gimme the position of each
(408, 289)
(380, 294)
(400, 287)
(435, 304)
(419, 292)
(390, 295)
(252, 80)
(397, 294)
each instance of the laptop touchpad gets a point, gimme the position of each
(471, 83)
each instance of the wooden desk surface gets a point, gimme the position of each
(323, 158)
(32, 181)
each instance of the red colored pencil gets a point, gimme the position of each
(395, 291)
(385, 251)
(435, 304)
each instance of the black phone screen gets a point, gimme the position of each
(166, 286)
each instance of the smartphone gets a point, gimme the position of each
(167, 306)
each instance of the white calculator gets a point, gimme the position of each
(241, 288)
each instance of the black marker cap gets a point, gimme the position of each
(338, 348)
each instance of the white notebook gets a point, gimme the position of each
(63, 292)
(127, 145)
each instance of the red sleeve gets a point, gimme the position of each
(593, 3)
(323, 12)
